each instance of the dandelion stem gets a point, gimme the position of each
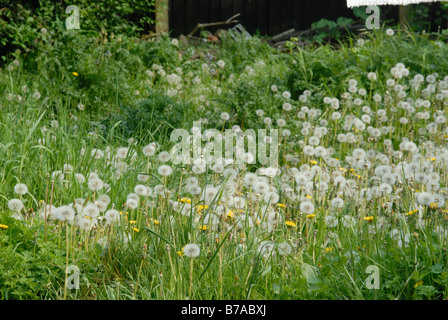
(191, 278)
(51, 203)
(171, 264)
(220, 273)
(45, 207)
(138, 279)
(66, 259)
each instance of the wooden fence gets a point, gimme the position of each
(269, 17)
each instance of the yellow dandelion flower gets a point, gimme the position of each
(309, 197)
(3, 226)
(281, 205)
(310, 216)
(368, 218)
(329, 249)
(156, 222)
(132, 221)
(187, 200)
(230, 214)
(418, 284)
(290, 223)
(75, 74)
(201, 207)
(136, 230)
(313, 161)
(203, 228)
(433, 205)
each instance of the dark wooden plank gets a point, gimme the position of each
(191, 16)
(177, 17)
(311, 13)
(238, 7)
(323, 12)
(263, 16)
(299, 15)
(226, 9)
(215, 11)
(250, 18)
(214, 14)
(203, 11)
(286, 15)
(334, 10)
(274, 17)
(170, 13)
(269, 16)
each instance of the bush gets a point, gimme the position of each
(21, 23)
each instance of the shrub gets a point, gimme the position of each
(21, 23)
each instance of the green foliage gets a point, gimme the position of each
(428, 17)
(328, 70)
(31, 268)
(24, 25)
(323, 23)
(360, 12)
(155, 116)
(330, 29)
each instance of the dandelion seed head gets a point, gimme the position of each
(192, 250)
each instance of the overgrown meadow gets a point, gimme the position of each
(88, 184)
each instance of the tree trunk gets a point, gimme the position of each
(162, 18)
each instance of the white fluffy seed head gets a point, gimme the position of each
(95, 184)
(192, 250)
(165, 170)
(15, 205)
(21, 189)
